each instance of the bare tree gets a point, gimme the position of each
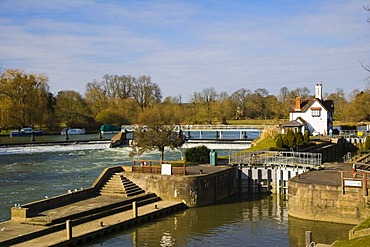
(364, 65)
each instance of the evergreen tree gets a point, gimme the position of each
(299, 138)
(306, 137)
(291, 139)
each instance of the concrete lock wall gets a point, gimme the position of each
(193, 190)
(327, 203)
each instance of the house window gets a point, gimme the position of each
(316, 113)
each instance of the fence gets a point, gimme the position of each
(310, 160)
(155, 167)
(355, 180)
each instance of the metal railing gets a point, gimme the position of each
(354, 133)
(310, 160)
(222, 127)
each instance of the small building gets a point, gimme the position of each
(298, 125)
(313, 114)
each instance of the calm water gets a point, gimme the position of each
(30, 173)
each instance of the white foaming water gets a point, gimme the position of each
(52, 148)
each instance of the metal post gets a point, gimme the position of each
(308, 238)
(32, 136)
(69, 229)
(364, 184)
(134, 209)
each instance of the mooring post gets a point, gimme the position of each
(364, 184)
(134, 209)
(69, 229)
(33, 136)
(308, 238)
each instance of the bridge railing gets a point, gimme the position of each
(276, 158)
(354, 133)
(222, 127)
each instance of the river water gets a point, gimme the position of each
(29, 173)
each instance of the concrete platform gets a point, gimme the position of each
(85, 231)
(330, 175)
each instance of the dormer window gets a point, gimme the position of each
(315, 111)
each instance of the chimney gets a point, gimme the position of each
(297, 104)
(318, 91)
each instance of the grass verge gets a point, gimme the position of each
(365, 241)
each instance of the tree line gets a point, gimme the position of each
(25, 100)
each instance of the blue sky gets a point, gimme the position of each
(187, 46)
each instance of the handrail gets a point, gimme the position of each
(276, 158)
(222, 127)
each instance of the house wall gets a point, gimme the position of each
(319, 124)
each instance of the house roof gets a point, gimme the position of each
(328, 105)
(294, 123)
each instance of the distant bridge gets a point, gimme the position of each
(219, 130)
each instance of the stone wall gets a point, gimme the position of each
(327, 203)
(193, 190)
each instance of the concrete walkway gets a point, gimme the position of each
(13, 229)
(329, 176)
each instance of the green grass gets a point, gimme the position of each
(365, 241)
(264, 144)
(363, 225)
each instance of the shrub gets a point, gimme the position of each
(277, 149)
(299, 138)
(291, 139)
(367, 143)
(279, 142)
(306, 137)
(197, 154)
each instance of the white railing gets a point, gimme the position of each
(222, 127)
(276, 158)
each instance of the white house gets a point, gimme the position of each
(315, 113)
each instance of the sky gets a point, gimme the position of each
(188, 46)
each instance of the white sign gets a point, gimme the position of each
(353, 183)
(166, 169)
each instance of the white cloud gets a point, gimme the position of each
(186, 47)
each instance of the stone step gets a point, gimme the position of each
(119, 185)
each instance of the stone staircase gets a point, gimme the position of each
(119, 185)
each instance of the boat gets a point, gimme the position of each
(109, 129)
(26, 132)
(72, 131)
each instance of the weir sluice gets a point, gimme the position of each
(269, 171)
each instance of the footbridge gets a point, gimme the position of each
(269, 171)
(218, 131)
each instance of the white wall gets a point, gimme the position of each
(318, 124)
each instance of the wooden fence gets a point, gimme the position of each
(155, 167)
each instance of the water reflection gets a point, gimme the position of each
(322, 232)
(241, 221)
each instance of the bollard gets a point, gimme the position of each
(134, 209)
(33, 136)
(308, 238)
(69, 229)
